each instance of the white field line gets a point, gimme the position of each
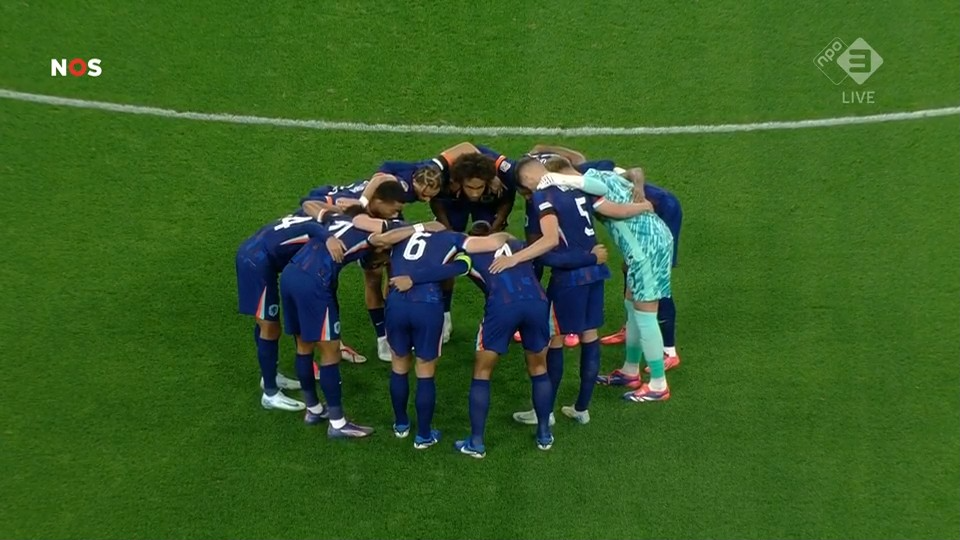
(584, 131)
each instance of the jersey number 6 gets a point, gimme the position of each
(415, 246)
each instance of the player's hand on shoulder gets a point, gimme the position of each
(496, 186)
(600, 252)
(336, 249)
(501, 264)
(645, 205)
(401, 283)
(345, 203)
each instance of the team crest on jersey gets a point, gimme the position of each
(504, 166)
(273, 310)
(404, 185)
(336, 327)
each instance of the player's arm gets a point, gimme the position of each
(458, 266)
(314, 209)
(370, 224)
(569, 259)
(503, 211)
(621, 211)
(440, 211)
(451, 154)
(390, 238)
(550, 229)
(376, 181)
(486, 244)
(574, 157)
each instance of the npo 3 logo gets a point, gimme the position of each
(78, 67)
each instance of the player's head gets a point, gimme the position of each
(481, 228)
(529, 171)
(473, 173)
(427, 182)
(560, 164)
(387, 200)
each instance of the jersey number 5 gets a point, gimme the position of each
(582, 208)
(416, 245)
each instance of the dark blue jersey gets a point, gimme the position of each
(314, 257)
(574, 211)
(423, 249)
(279, 241)
(512, 285)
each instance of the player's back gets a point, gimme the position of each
(518, 283)
(423, 249)
(574, 212)
(314, 258)
(280, 240)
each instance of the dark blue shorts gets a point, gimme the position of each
(530, 317)
(257, 287)
(460, 213)
(670, 212)
(310, 308)
(414, 325)
(574, 310)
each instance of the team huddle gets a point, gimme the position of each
(295, 263)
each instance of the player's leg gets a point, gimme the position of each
(589, 352)
(562, 315)
(331, 382)
(672, 215)
(536, 337)
(479, 400)
(304, 304)
(649, 282)
(427, 342)
(620, 336)
(400, 338)
(629, 374)
(373, 296)
(259, 297)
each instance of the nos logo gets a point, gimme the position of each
(76, 67)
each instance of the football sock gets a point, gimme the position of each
(399, 396)
(377, 318)
(667, 316)
(268, 352)
(555, 372)
(426, 401)
(542, 394)
(304, 367)
(330, 384)
(652, 343)
(479, 406)
(631, 364)
(589, 368)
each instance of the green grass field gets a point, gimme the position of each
(817, 287)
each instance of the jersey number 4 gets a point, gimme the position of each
(582, 208)
(416, 245)
(504, 251)
(290, 221)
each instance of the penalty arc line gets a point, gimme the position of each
(429, 129)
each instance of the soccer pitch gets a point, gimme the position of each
(817, 287)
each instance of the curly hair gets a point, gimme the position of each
(474, 165)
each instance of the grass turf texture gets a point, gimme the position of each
(817, 288)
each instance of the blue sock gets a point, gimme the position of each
(330, 384)
(377, 318)
(304, 367)
(479, 407)
(542, 394)
(268, 352)
(589, 368)
(426, 401)
(447, 300)
(667, 317)
(399, 396)
(555, 372)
